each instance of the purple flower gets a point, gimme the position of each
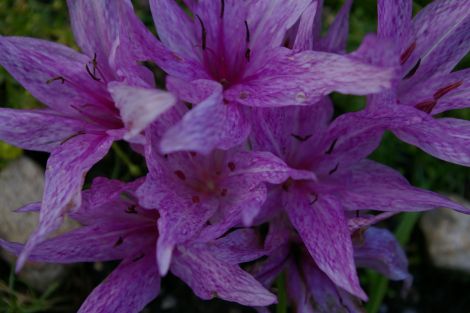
(203, 196)
(238, 47)
(426, 49)
(344, 181)
(92, 99)
(115, 227)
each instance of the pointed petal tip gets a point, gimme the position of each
(164, 255)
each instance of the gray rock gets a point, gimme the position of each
(21, 183)
(448, 237)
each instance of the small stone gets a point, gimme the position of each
(447, 235)
(21, 183)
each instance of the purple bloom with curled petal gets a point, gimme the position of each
(426, 48)
(115, 227)
(237, 47)
(92, 99)
(204, 196)
(345, 182)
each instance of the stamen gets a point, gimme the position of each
(222, 8)
(93, 76)
(180, 175)
(131, 210)
(301, 138)
(443, 91)
(248, 54)
(203, 33)
(333, 170)
(426, 106)
(247, 38)
(231, 166)
(406, 55)
(330, 149)
(118, 242)
(413, 70)
(72, 136)
(62, 80)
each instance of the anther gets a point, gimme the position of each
(231, 166)
(93, 76)
(406, 55)
(180, 175)
(62, 80)
(248, 54)
(426, 106)
(301, 138)
(443, 91)
(332, 146)
(118, 242)
(203, 33)
(333, 170)
(247, 29)
(72, 136)
(222, 8)
(413, 70)
(223, 192)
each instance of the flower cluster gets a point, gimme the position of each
(249, 175)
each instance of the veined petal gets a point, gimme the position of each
(209, 277)
(211, 124)
(337, 36)
(139, 106)
(445, 138)
(372, 186)
(330, 244)
(65, 174)
(305, 77)
(52, 73)
(379, 250)
(304, 39)
(442, 31)
(39, 130)
(239, 246)
(394, 19)
(128, 289)
(103, 242)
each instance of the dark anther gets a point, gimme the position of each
(357, 213)
(334, 170)
(314, 198)
(62, 80)
(139, 257)
(286, 185)
(426, 106)
(301, 138)
(93, 76)
(248, 54)
(196, 199)
(223, 193)
(72, 136)
(231, 166)
(443, 91)
(165, 156)
(413, 70)
(247, 29)
(189, 105)
(180, 175)
(406, 55)
(131, 210)
(203, 33)
(118, 242)
(333, 144)
(222, 8)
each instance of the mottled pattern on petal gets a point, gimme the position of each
(39, 130)
(394, 19)
(330, 244)
(379, 250)
(373, 186)
(65, 174)
(128, 289)
(209, 277)
(304, 78)
(239, 246)
(139, 106)
(445, 138)
(52, 73)
(211, 124)
(104, 242)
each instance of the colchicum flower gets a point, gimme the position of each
(249, 175)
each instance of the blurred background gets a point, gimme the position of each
(437, 243)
